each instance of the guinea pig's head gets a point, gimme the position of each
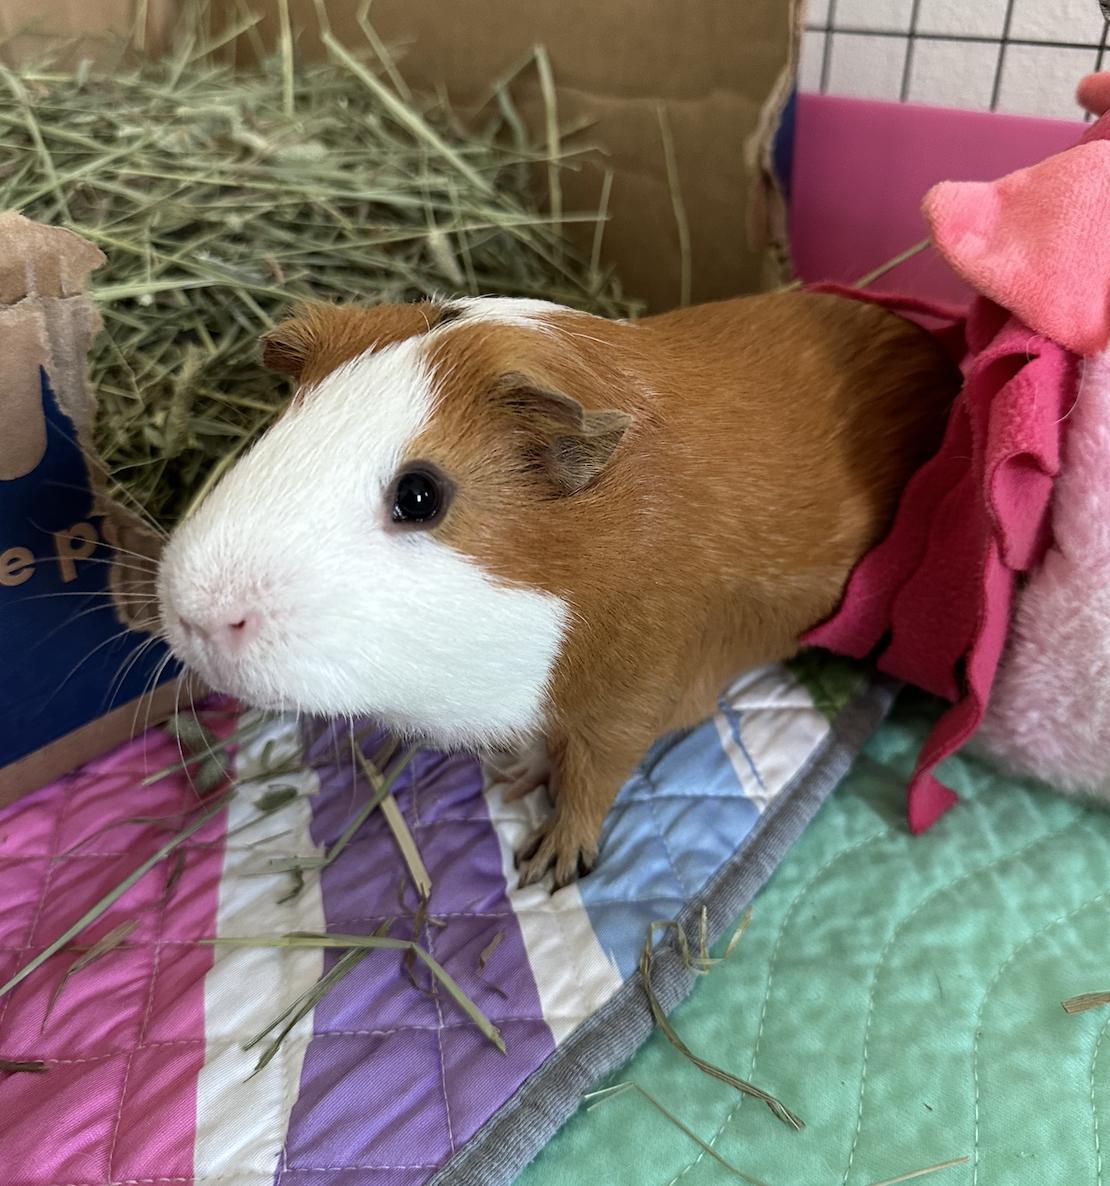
(381, 550)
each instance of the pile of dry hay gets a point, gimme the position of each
(220, 196)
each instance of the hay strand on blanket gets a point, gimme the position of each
(923, 1173)
(778, 1109)
(876, 273)
(379, 943)
(487, 951)
(106, 943)
(418, 871)
(222, 195)
(307, 1001)
(1085, 1002)
(596, 1098)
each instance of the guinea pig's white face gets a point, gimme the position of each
(292, 587)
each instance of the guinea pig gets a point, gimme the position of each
(494, 523)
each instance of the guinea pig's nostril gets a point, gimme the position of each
(239, 632)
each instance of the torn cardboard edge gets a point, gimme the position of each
(768, 203)
(89, 741)
(47, 325)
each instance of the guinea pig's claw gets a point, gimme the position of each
(553, 848)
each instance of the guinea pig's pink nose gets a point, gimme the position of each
(231, 630)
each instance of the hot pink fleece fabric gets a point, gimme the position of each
(937, 594)
(939, 588)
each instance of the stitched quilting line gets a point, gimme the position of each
(896, 934)
(144, 1027)
(1094, 1108)
(1038, 934)
(733, 714)
(107, 1055)
(795, 902)
(41, 904)
(660, 831)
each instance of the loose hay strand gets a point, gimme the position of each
(678, 205)
(106, 943)
(778, 1109)
(287, 62)
(605, 1094)
(929, 1169)
(378, 943)
(418, 871)
(1085, 1002)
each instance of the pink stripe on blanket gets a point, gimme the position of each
(123, 1043)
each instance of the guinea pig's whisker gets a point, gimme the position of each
(177, 732)
(121, 676)
(204, 731)
(122, 551)
(126, 668)
(101, 593)
(150, 524)
(99, 542)
(94, 462)
(92, 609)
(150, 571)
(146, 698)
(81, 662)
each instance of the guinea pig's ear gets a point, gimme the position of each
(575, 443)
(290, 344)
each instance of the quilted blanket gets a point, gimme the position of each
(127, 1065)
(902, 994)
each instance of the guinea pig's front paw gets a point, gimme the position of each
(561, 843)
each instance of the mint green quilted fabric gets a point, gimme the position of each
(901, 995)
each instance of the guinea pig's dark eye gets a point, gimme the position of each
(419, 497)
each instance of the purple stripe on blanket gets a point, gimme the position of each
(396, 1077)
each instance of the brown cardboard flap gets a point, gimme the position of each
(67, 31)
(50, 323)
(46, 322)
(23, 439)
(42, 261)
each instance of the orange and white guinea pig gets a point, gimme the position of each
(503, 524)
